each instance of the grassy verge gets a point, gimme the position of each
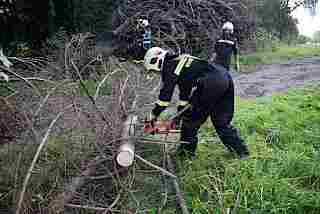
(283, 173)
(281, 54)
(57, 163)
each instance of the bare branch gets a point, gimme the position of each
(34, 161)
(156, 167)
(8, 70)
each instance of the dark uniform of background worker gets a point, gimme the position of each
(137, 44)
(225, 46)
(144, 38)
(212, 92)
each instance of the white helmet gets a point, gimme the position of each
(143, 22)
(228, 26)
(154, 58)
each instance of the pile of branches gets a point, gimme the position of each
(71, 137)
(184, 26)
(66, 157)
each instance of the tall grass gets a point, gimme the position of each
(282, 174)
(56, 165)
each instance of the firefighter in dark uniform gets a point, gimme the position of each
(209, 90)
(225, 46)
(144, 39)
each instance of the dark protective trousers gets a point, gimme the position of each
(213, 97)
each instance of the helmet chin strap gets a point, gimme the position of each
(160, 64)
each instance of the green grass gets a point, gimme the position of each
(277, 55)
(92, 85)
(7, 89)
(57, 163)
(283, 173)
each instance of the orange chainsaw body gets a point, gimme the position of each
(160, 127)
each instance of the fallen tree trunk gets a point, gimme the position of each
(125, 156)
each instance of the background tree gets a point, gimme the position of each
(302, 39)
(6, 16)
(316, 36)
(64, 15)
(25, 21)
(276, 16)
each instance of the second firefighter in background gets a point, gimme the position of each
(226, 46)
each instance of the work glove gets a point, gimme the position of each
(151, 118)
(154, 114)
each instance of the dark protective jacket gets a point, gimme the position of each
(224, 48)
(213, 96)
(184, 71)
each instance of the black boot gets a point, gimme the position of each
(186, 150)
(231, 139)
(244, 154)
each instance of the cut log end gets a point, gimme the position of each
(125, 157)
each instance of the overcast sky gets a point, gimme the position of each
(307, 24)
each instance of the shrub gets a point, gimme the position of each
(12, 121)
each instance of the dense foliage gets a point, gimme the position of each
(275, 17)
(316, 36)
(24, 21)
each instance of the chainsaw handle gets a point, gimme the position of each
(180, 112)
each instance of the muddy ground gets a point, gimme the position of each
(269, 79)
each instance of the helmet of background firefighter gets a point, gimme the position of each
(228, 27)
(154, 58)
(143, 22)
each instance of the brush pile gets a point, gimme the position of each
(184, 26)
(60, 129)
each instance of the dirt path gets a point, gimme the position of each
(269, 79)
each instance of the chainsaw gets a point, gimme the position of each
(163, 126)
(160, 127)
